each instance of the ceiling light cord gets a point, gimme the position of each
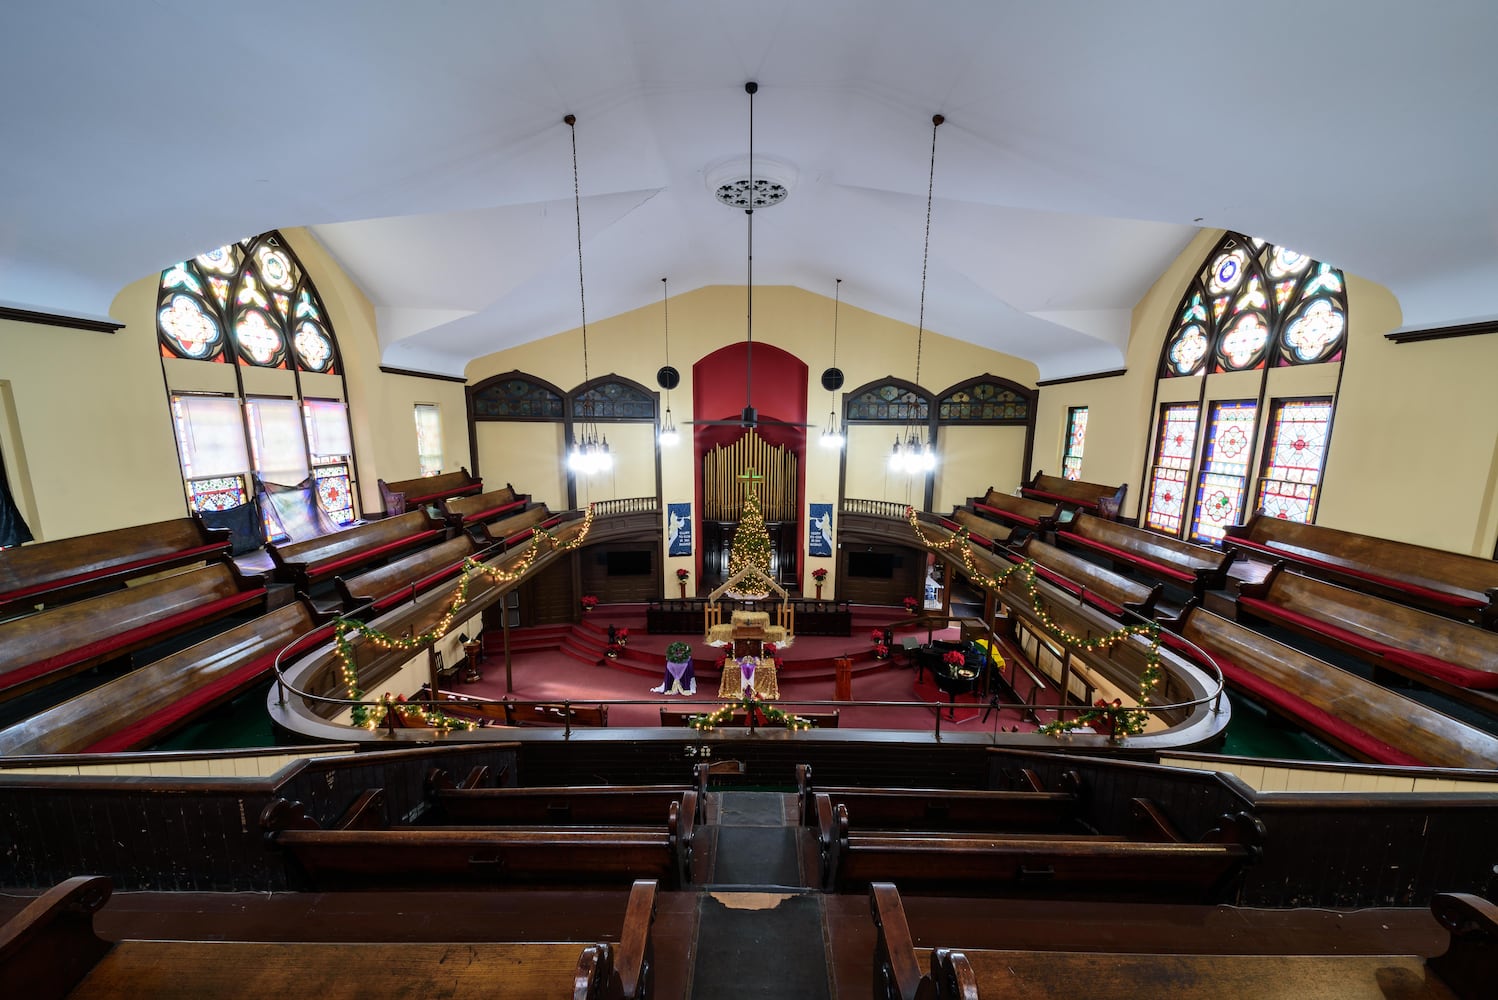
(577, 207)
(936, 121)
(750, 88)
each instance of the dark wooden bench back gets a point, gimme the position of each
(1449, 582)
(479, 507)
(136, 710)
(1081, 576)
(69, 568)
(417, 571)
(514, 528)
(61, 641)
(1075, 494)
(554, 713)
(308, 561)
(1039, 515)
(430, 489)
(1159, 555)
(1362, 718)
(559, 806)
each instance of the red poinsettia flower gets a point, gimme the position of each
(819, 574)
(682, 574)
(911, 604)
(877, 635)
(881, 651)
(954, 659)
(589, 601)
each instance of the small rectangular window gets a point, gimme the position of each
(1294, 458)
(429, 438)
(1174, 449)
(1223, 482)
(1076, 434)
(332, 448)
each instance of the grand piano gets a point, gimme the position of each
(964, 680)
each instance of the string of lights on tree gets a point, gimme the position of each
(751, 543)
(1121, 720)
(373, 716)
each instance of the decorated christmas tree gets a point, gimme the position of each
(751, 543)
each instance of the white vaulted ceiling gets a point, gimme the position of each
(423, 143)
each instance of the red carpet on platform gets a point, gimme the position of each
(568, 662)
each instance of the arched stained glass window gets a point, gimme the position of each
(1255, 304)
(985, 400)
(515, 396)
(614, 399)
(896, 402)
(248, 302)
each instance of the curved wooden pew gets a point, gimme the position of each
(402, 578)
(1073, 494)
(70, 568)
(314, 560)
(1154, 865)
(475, 508)
(363, 854)
(944, 808)
(1023, 512)
(414, 493)
(1193, 566)
(516, 528)
(468, 805)
(1467, 969)
(1448, 583)
(50, 951)
(134, 711)
(1102, 588)
(1355, 715)
(1448, 655)
(59, 642)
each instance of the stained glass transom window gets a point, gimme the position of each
(516, 398)
(984, 402)
(1076, 436)
(614, 401)
(891, 402)
(1255, 304)
(1174, 450)
(1224, 476)
(248, 302)
(1294, 459)
(221, 493)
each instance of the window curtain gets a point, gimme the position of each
(327, 429)
(13, 530)
(280, 451)
(212, 435)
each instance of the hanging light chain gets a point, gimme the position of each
(577, 206)
(936, 121)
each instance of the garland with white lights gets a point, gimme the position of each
(1115, 717)
(372, 716)
(751, 705)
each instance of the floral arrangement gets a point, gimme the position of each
(678, 652)
(876, 635)
(622, 635)
(911, 603)
(589, 602)
(770, 648)
(819, 574)
(881, 652)
(953, 658)
(682, 574)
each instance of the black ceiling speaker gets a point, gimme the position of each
(668, 377)
(832, 379)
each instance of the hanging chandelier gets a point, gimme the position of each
(667, 377)
(590, 452)
(914, 456)
(832, 379)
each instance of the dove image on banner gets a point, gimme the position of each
(819, 542)
(679, 529)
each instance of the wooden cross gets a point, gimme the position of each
(750, 476)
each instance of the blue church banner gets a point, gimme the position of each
(678, 529)
(819, 540)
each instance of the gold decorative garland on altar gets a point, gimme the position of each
(1121, 721)
(372, 716)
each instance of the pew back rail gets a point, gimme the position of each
(1073, 494)
(1193, 566)
(314, 560)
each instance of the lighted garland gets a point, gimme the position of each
(370, 717)
(772, 715)
(1121, 721)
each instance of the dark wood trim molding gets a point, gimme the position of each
(53, 319)
(1083, 378)
(1443, 332)
(440, 378)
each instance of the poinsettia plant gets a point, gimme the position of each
(876, 635)
(881, 652)
(682, 574)
(953, 658)
(819, 574)
(911, 604)
(589, 601)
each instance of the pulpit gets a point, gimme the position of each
(748, 640)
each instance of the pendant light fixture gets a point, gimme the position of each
(667, 378)
(915, 456)
(589, 453)
(832, 379)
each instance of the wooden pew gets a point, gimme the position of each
(50, 950)
(474, 508)
(679, 717)
(1449, 583)
(312, 561)
(1361, 718)
(361, 855)
(1194, 566)
(55, 572)
(1112, 592)
(1467, 969)
(1073, 494)
(139, 709)
(1154, 865)
(64, 640)
(554, 713)
(517, 528)
(944, 808)
(1438, 652)
(451, 804)
(405, 577)
(1018, 512)
(413, 493)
